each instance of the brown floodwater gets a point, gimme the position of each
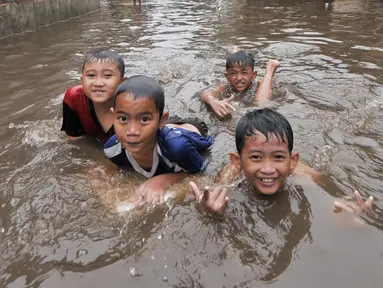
(58, 223)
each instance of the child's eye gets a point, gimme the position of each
(122, 118)
(108, 75)
(91, 75)
(279, 157)
(255, 157)
(145, 120)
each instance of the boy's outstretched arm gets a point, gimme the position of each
(264, 91)
(304, 171)
(228, 175)
(153, 189)
(211, 98)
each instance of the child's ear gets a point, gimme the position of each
(225, 73)
(123, 79)
(236, 160)
(294, 161)
(254, 75)
(163, 119)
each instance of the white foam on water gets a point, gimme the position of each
(39, 133)
(366, 48)
(23, 110)
(123, 44)
(56, 101)
(74, 75)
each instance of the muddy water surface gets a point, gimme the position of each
(58, 226)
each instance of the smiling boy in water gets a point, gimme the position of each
(264, 140)
(163, 151)
(86, 107)
(242, 84)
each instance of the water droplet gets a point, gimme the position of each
(133, 271)
(2, 230)
(166, 266)
(165, 279)
(143, 239)
(165, 258)
(153, 258)
(159, 236)
(61, 170)
(81, 252)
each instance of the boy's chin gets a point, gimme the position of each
(132, 150)
(100, 100)
(241, 89)
(266, 190)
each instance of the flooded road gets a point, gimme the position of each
(58, 225)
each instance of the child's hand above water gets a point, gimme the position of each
(210, 201)
(356, 207)
(153, 189)
(222, 107)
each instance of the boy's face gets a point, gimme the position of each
(136, 123)
(100, 80)
(266, 164)
(240, 77)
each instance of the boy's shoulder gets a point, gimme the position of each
(74, 94)
(303, 171)
(112, 146)
(178, 141)
(114, 150)
(74, 91)
(216, 89)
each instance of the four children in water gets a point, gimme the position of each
(165, 150)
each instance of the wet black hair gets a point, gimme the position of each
(240, 58)
(107, 56)
(266, 121)
(140, 86)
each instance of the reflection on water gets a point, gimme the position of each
(58, 221)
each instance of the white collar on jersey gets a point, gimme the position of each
(137, 166)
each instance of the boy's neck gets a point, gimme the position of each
(103, 107)
(145, 157)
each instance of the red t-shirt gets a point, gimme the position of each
(79, 116)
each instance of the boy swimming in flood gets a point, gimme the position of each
(163, 151)
(264, 140)
(242, 84)
(86, 107)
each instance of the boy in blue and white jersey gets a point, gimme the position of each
(163, 150)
